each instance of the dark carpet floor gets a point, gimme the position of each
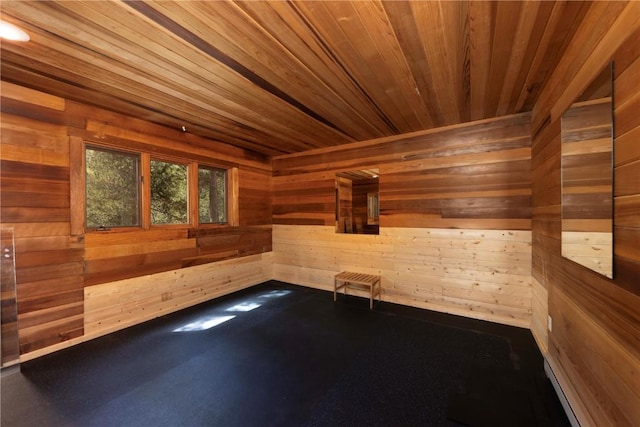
(289, 356)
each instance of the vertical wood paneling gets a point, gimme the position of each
(594, 345)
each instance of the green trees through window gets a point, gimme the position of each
(212, 203)
(114, 196)
(169, 200)
(111, 188)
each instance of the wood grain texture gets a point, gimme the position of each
(484, 274)
(475, 175)
(594, 346)
(587, 182)
(34, 181)
(116, 305)
(9, 338)
(287, 77)
(41, 179)
(539, 312)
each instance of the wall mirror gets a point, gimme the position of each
(357, 202)
(587, 176)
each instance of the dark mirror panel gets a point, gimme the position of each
(587, 177)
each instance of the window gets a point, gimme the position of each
(169, 193)
(122, 188)
(212, 195)
(111, 188)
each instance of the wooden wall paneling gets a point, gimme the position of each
(33, 97)
(9, 338)
(442, 143)
(344, 218)
(115, 256)
(51, 332)
(36, 201)
(593, 345)
(361, 190)
(587, 184)
(604, 367)
(483, 274)
(627, 170)
(217, 244)
(539, 312)
(249, 189)
(96, 118)
(41, 182)
(254, 198)
(113, 306)
(474, 175)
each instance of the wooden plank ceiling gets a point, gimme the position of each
(284, 77)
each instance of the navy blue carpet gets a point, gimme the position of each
(283, 355)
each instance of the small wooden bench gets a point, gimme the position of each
(348, 279)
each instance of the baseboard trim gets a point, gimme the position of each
(9, 370)
(561, 395)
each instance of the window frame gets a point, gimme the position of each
(197, 195)
(139, 195)
(190, 221)
(77, 153)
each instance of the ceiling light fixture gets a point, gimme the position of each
(9, 31)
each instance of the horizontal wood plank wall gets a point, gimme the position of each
(587, 184)
(474, 176)
(9, 338)
(55, 259)
(34, 182)
(539, 312)
(462, 192)
(484, 274)
(594, 344)
(360, 204)
(113, 306)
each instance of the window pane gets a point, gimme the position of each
(168, 193)
(111, 180)
(212, 195)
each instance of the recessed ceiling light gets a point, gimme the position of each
(9, 31)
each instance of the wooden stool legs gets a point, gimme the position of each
(348, 279)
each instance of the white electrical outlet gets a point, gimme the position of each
(549, 323)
